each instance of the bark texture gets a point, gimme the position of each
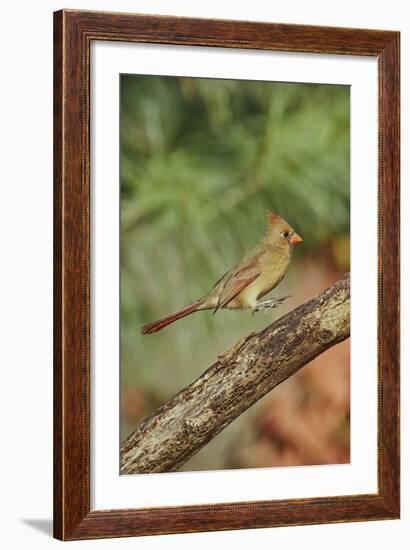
(241, 376)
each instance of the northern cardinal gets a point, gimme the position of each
(261, 270)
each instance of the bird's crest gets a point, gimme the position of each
(273, 218)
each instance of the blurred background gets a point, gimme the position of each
(201, 161)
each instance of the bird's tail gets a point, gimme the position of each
(155, 326)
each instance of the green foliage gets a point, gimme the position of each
(201, 161)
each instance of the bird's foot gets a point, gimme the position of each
(269, 304)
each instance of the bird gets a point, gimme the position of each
(242, 287)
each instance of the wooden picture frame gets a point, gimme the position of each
(74, 32)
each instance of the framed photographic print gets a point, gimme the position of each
(226, 280)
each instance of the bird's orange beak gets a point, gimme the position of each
(296, 239)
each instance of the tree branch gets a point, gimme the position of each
(240, 377)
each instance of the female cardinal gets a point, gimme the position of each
(259, 272)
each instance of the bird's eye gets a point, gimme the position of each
(285, 234)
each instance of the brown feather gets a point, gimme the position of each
(155, 326)
(228, 294)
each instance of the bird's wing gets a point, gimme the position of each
(234, 284)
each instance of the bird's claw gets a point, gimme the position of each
(269, 304)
